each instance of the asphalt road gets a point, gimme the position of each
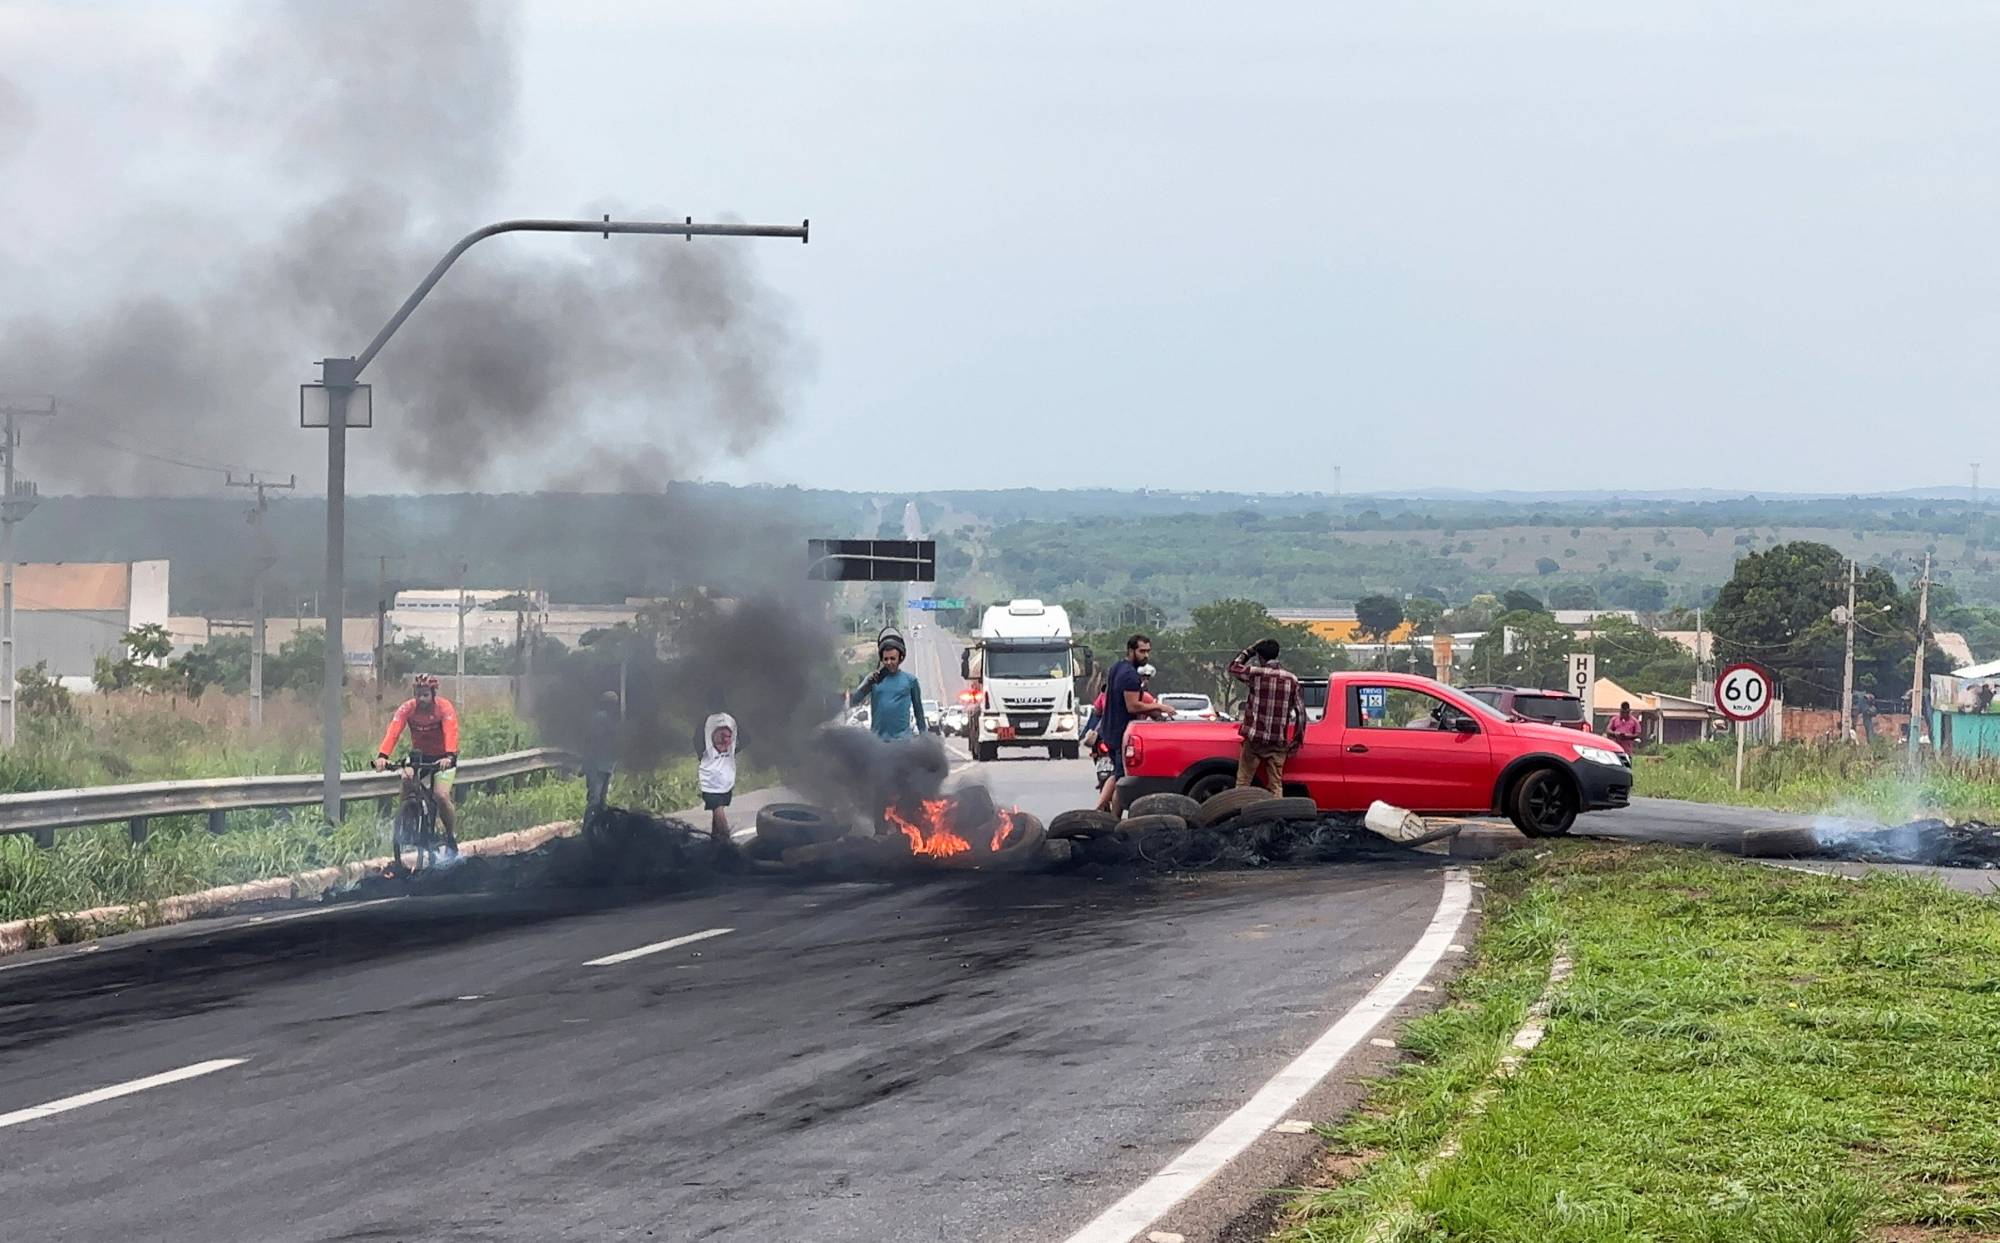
(961, 1058)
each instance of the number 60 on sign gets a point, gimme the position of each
(1742, 692)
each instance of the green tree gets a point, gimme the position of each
(1517, 601)
(1379, 616)
(1524, 648)
(1573, 596)
(1549, 565)
(1777, 609)
(41, 696)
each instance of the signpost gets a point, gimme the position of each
(1583, 683)
(1742, 693)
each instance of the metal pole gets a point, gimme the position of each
(1738, 727)
(338, 376)
(7, 591)
(16, 500)
(458, 685)
(1917, 713)
(341, 374)
(1847, 665)
(262, 562)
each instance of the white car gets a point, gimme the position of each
(1191, 707)
(933, 716)
(952, 720)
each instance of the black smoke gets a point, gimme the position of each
(574, 362)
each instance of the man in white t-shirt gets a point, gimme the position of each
(716, 745)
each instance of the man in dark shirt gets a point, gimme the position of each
(1124, 702)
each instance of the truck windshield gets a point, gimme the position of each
(1014, 662)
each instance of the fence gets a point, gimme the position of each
(41, 812)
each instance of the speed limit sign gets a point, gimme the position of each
(1742, 692)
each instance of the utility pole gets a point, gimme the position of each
(458, 684)
(1917, 713)
(1847, 665)
(17, 498)
(382, 622)
(262, 562)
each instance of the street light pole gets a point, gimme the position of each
(340, 376)
(16, 499)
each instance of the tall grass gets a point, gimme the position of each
(1866, 782)
(101, 866)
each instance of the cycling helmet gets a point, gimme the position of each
(425, 681)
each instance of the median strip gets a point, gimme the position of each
(116, 1090)
(656, 947)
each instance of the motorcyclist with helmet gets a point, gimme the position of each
(433, 725)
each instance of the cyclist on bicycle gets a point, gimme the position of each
(433, 726)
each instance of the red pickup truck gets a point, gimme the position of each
(1408, 741)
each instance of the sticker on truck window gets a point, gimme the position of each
(1374, 701)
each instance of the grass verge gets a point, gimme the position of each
(1873, 783)
(101, 866)
(1743, 1053)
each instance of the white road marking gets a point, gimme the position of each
(628, 955)
(1153, 1198)
(117, 1090)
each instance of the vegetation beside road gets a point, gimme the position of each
(1741, 1053)
(114, 739)
(1872, 783)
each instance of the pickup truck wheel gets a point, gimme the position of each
(1209, 785)
(1542, 804)
(1220, 807)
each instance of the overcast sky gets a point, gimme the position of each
(1520, 245)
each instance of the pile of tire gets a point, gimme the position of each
(1175, 831)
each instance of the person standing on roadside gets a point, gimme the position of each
(715, 751)
(1274, 715)
(1625, 729)
(1125, 701)
(895, 700)
(600, 755)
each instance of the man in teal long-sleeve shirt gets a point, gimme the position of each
(895, 701)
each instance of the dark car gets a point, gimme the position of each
(1525, 703)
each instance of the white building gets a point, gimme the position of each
(432, 615)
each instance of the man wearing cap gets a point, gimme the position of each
(895, 701)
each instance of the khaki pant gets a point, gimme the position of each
(1270, 757)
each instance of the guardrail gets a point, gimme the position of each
(42, 812)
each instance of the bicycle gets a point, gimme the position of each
(417, 817)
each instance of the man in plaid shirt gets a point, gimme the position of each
(1274, 715)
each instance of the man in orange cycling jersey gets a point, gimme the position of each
(433, 726)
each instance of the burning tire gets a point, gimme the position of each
(1778, 844)
(1085, 822)
(786, 825)
(1159, 839)
(1231, 803)
(1166, 805)
(1270, 811)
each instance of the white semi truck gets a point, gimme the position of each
(1023, 668)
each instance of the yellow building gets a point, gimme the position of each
(1337, 625)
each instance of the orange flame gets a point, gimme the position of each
(1003, 831)
(932, 838)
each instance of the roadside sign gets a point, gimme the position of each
(1583, 680)
(1742, 692)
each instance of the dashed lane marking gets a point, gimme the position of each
(116, 1090)
(656, 947)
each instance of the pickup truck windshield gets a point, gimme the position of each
(1003, 662)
